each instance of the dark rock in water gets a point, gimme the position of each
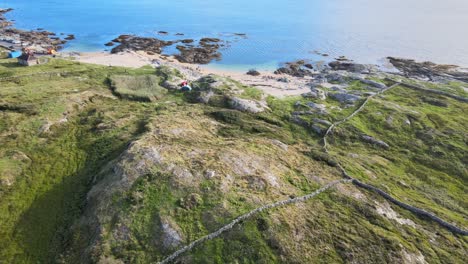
(39, 29)
(179, 34)
(240, 34)
(4, 11)
(41, 40)
(121, 38)
(297, 69)
(342, 58)
(349, 66)
(209, 40)
(299, 62)
(140, 43)
(163, 32)
(70, 37)
(109, 44)
(198, 55)
(428, 70)
(186, 41)
(253, 73)
(293, 70)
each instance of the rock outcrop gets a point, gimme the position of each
(246, 105)
(135, 43)
(428, 70)
(375, 141)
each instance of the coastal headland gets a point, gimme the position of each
(104, 159)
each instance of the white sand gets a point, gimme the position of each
(267, 81)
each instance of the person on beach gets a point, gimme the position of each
(185, 87)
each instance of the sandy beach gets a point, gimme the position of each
(270, 83)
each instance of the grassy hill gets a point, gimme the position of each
(103, 164)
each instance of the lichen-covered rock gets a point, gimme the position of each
(335, 78)
(321, 94)
(375, 141)
(372, 83)
(315, 93)
(321, 121)
(345, 97)
(171, 235)
(245, 105)
(321, 108)
(350, 66)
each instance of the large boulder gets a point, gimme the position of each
(350, 66)
(171, 235)
(246, 105)
(172, 78)
(345, 97)
(372, 83)
(222, 92)
(375, 141)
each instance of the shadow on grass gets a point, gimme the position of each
(10, 64)
(43, 230)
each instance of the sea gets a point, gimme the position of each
(276, 31)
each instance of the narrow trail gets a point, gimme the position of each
(40, 73)
(248, 215)
(419, 212)
(329, 130)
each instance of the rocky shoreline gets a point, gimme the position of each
(205, 50)
(40, 40)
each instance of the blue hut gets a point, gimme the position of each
(15, 54)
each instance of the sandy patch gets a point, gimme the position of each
(268, 82)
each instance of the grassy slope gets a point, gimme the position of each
(46, 175)
(49, 173)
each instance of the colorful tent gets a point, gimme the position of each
(15, 54)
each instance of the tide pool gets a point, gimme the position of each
(277, 31)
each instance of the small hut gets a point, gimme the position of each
(28, 59)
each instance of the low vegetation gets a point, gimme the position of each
(102, 164)
(144, 88)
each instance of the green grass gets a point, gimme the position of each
(45, 176)
(61, 128)
(426, 164)
(139, 88)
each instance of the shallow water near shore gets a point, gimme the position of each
(277, 31)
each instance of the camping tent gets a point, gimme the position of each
(14, 54)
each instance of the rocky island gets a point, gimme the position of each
(342, 163)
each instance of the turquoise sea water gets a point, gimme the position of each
(277, 30)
